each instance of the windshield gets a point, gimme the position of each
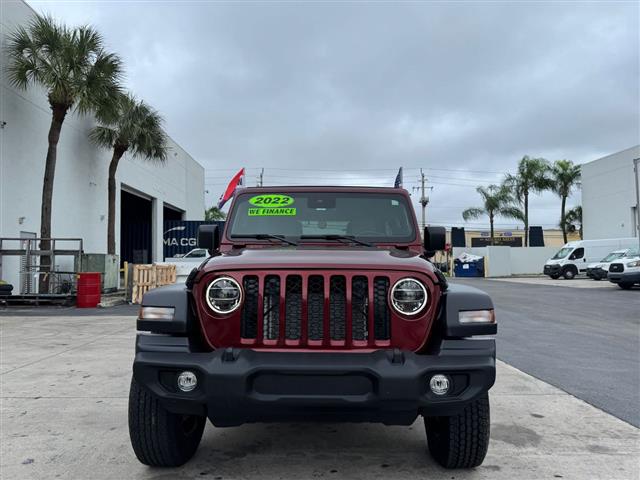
(613, 256)
(563, 252)
(633, 252)
(197, 253)
(373, 217)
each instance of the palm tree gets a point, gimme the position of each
(532, 177)
(132, 126)
(497, 201)
(565, 176)
(573, 220)
(214, 213)
(72, 66)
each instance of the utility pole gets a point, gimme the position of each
(260, 177)
(636, 170)
(424, 200)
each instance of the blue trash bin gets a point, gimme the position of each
(469, 269)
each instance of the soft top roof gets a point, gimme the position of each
(320, 188)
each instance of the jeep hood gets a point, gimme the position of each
(326, 258)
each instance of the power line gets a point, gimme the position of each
(347, 170)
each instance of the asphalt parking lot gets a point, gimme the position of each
(585, 341)
(64, 387)
(579, 282)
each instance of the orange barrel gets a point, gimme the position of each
(88, 290)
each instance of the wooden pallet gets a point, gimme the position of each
(148, 277)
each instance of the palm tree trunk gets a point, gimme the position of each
(57, 118)
(491, 228)
(526, 219)
(563, 221)
(111, 216)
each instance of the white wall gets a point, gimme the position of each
(502, 261)
(528, 261)
(608, 196)
(80, 187)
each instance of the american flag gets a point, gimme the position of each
(398, 182)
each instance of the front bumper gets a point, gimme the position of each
(622, 277)
(554, 269)
(597, 273)
(237, 386)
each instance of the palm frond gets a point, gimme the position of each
(473, 213)
(69, 63)
(136, 127)
(511, 212)
(104, 136)
(100, 85)
(565, 176)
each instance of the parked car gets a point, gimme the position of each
(187, 262)
(599, 270)
(625, 272)
(195, 255)
(311, 308)
(572, 259)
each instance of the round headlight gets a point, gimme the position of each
(408, 296)
(224, 295)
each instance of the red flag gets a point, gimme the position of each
(235, 182)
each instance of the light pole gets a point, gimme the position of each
(636, 169)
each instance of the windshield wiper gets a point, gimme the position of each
(266, 236)
(340, 238)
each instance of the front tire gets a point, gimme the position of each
(570, 273)
(460, 441)
(160, 438)
(625, 285)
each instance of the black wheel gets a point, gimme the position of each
(160, 438)
(569, 273)
(460, 441)
(555, 276)
(625, 285)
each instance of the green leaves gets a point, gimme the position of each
(497, 200)
(533, 176)
(214, 213)
(573, 220)
(565, 176)
(131, 125)
(70, 64)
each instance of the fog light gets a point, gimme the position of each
(439, 384)
(187, 381)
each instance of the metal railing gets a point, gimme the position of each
(58, 281)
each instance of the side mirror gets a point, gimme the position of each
(209, 238)
(435, 239)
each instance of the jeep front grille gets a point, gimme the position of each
(316, 310)
(616, 267)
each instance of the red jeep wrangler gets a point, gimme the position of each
(316, 304)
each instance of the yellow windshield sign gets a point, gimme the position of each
(271, 200)
(271, 205)
(272, 212)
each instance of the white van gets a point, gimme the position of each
(573, 258)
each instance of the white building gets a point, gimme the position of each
(609, 204)
(147, 194)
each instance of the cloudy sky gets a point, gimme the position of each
(332, 92)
